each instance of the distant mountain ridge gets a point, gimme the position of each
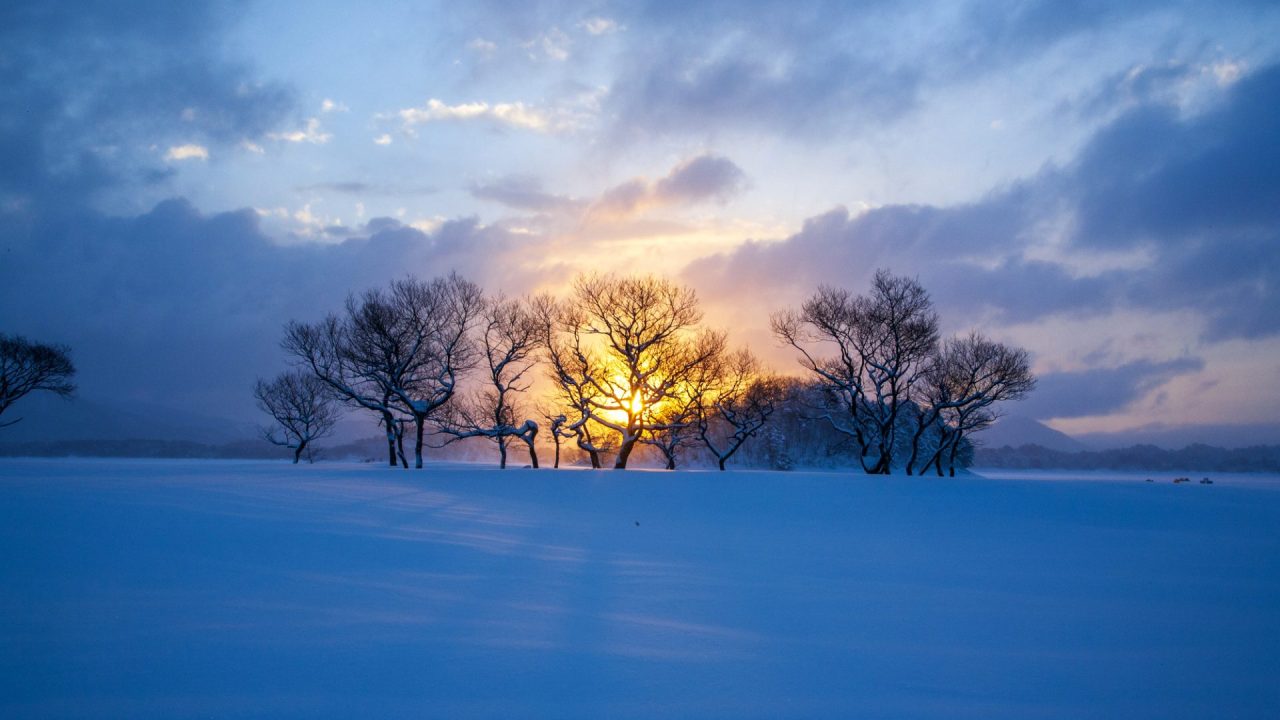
(1018, 430)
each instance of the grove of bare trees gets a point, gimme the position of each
(624, 353)
(877, 361)
(618, 363)
(508, 343)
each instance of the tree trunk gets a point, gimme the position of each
(722, 461)
(862, 459)
(880, 468)
(915, 447)
(529, 439)
(502, 453)
(557, 463)
(297, 453)
(420, 423)
(951, 458)
(400, 445)
(671, 461)
(624, 452)
(390, 423)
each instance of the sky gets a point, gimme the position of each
(1096, 182)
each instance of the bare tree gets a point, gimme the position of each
(27, 367)
(509, 341)
(324, 348)
(557, 422)
(880, 343)
(736, 404)
(981, 373)
(674, 429)
(570, 368)
(622, 347)
(396, 352)
(941, 388)
(438, 317)
(303, 408)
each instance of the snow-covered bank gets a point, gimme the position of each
(255, 589)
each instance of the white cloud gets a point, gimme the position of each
(1227, 71)
(482, 46)
(428, 225)
(311, 133)
(383, 139)
(515, 114)
(554, 44)
(599, 25)
(252, 147)
(329, 106)
(187, 152)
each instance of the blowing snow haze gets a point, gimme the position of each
(1099, 184)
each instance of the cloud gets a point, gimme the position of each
(814, 71)
(1196, 195)
(383, 139)
(310, 133)
(176, 306)
(349, 187)
(331, 106)
(599, 26)
(355, 187)
(523, 192)
(89, 76)
(482, 46)
(550, 45)
(515, 114)
(1101, 391)
(187, 152)
(704, 178)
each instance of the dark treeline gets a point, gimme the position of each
(1262, 458)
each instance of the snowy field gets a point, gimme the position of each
(216, 589)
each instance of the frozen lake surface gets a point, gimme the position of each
(221, 589)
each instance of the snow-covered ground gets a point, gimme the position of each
(173, 589)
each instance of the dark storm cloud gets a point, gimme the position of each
(1200, 194)
(1152, 176)
(179, 307)
(89, 88)
(1100, 391)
